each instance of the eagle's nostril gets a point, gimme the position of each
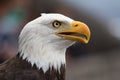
(76, 25)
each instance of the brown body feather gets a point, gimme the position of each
(18, 69)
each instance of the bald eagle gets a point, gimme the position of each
(42, 47)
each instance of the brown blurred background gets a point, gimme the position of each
(98, 60)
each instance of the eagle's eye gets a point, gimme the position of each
(56, 24)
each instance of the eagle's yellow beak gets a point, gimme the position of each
(78, 32)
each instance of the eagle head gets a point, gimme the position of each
(43, 41)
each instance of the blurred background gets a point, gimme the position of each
(98, 60)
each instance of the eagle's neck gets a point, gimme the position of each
(45, 57)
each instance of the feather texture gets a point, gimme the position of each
(18, 69)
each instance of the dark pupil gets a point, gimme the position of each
(57, 23)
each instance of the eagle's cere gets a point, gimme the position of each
(43, 43)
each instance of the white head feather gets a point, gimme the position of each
(39, 45)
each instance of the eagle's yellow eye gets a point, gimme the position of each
(56, 24)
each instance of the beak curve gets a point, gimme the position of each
(77, 32)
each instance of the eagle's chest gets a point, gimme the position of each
(32, 74)
(21, 70)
